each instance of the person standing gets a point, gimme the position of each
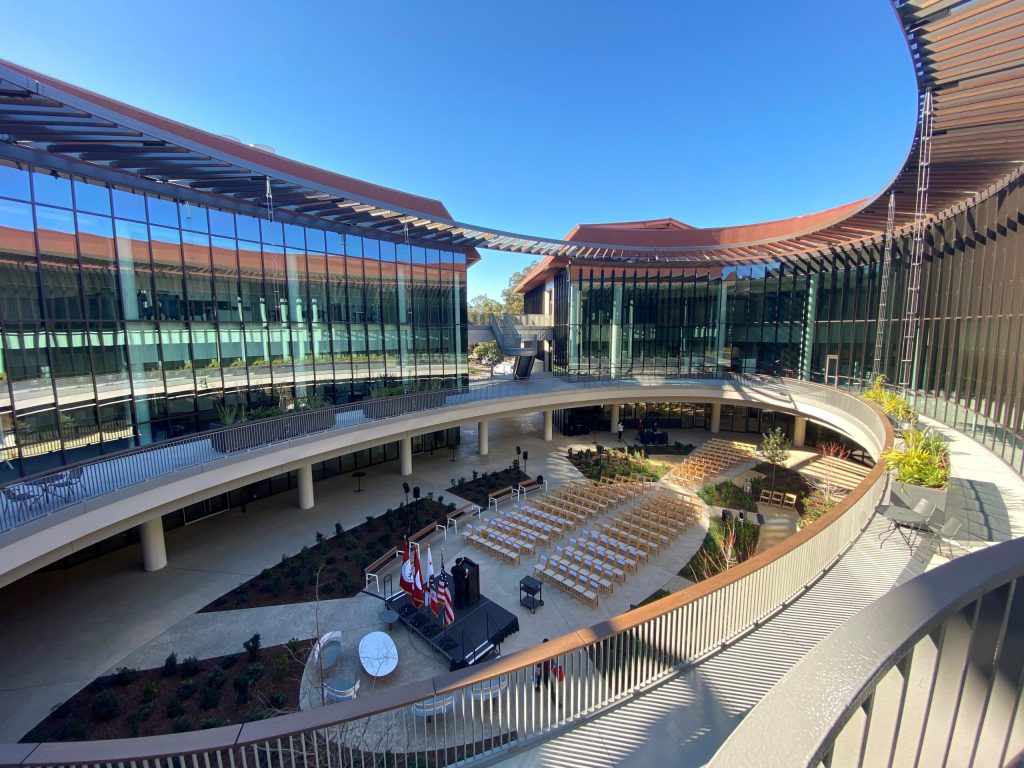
(618, 428)
(543, 674)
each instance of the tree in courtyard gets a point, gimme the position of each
(512, 302)
(774, 449)
(481, 308)
(487, 353)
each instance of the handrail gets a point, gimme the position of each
(604, 664)
(970, 607)
(103, 474)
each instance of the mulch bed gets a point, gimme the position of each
(476, 489)
(338, 557)
(786, 481)
(708, 560)
(223, 690)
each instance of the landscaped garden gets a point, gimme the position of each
(184, 694)
(676, 449)
(335, 560)
(477, 488)
(614, 463)
(727, 494)
(726, 544)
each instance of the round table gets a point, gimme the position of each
(388, 618)
(378, 654)
(359, 480)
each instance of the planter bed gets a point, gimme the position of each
(149, 702)
(477, 489)
(339, 557)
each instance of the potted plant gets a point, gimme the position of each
(920, 468)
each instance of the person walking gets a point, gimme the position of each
(618, 428)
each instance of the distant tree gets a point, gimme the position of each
(481, 308)
(487, 352)
(512, 302)
(774, 449)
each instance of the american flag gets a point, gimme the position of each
(444, 597)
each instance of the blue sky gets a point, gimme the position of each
(526, 116)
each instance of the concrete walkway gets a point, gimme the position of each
(62, 629)
(693, 713)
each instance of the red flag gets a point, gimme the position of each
(417, 579)
(405, 581)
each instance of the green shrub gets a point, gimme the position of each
(294, 646)
(105, 706)
(280, 668)
(150, 692)
(228, 662)
(209, 698)
(189, 666)
(175, 708)
(241, 686)
(217, 678)
(170, 665)
(181, 724)
(252, 646)
(923, 460)
(126, 676)
(277, 700)
(727, 494)
(73, 730)
(210, 722)
(186, 691)
(254, 672)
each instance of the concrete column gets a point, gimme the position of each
(405, 455)
(154, 553)
(548, 421)
(306, 487)
(716, 417)
(482, 428)
(799, 432)
(615, 417)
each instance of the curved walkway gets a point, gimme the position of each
(696, 711)
(119, 492)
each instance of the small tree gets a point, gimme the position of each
(774, 449)
(488, 353)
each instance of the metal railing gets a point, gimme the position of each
(932, 673)
(493, 708)
(505, 333)
(533, 321)
(42, 494)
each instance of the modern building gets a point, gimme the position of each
(157, 278)
(144, 298)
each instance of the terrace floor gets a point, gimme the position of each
(694, 712)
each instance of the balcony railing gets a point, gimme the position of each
(493, 707)
(34, 497)
(930, 674)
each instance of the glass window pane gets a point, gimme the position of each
(222, 223)
(162, 212)
(193, 217)
(13, 183)
(52, 189)
(248, 227)
(128, 205)
(94, 198)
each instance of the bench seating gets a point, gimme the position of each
(372, 571)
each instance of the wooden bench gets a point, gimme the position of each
(373, 569)
(452, 521)
(502, 494)
(531, 485)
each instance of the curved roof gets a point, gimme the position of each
(969, 53)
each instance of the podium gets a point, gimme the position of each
(466, 583)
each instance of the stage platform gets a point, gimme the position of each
(477, 631)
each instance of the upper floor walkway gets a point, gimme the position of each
(51, 514)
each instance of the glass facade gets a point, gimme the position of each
(125, 317)
(818, 320)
